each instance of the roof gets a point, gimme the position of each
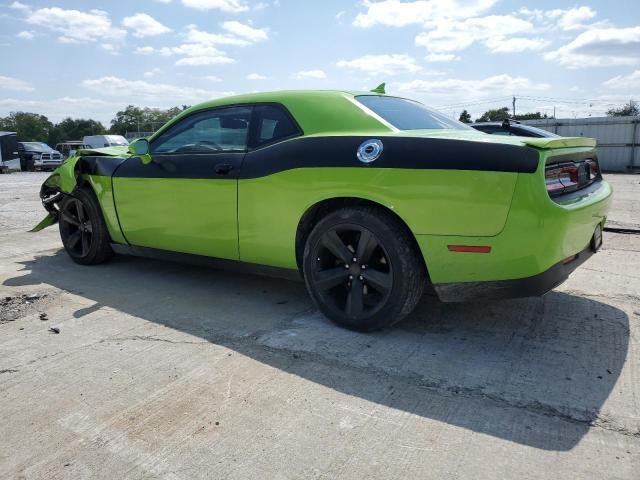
(317, 111)
(7, 133)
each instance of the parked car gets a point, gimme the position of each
(69, 148)
(38, 156)
(367, 197)
(9, 158)
(513, 127)
(101, 141)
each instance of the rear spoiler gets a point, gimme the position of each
(562, 142)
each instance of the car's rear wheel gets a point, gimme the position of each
(82, 229)
(362, 269)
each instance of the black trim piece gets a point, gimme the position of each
(572, 157)
(103, 166)
(534, 286)
(399, 152)
(314, 152)
(184, 165)
(212, 262)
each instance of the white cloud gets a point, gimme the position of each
(396, 13)
(457, 87)
(256, 76)
(494, 30)
(573, 18)
(25, 35)
(203, 60)
(213, 78)
(20, 6)
(232, 6)
(442, 57)
(629, 83)
(10, 83)
(75, 26)
(382, 64)
(58, 108)
(600, 47)
(194, 35)
(515, 44)
(112, 86)
(248, 32)
(315, 74)
(144, 25)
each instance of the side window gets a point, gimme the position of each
(272, 123)
(220, 130)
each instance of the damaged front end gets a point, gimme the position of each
(66, 178)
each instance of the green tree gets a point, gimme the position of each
(497, 115)
(531, 116)
(75, 129)
(136, 119)
(465, 117)
(29, 126)
(629, 110)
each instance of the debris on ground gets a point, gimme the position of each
(54, 330)
(13, 308)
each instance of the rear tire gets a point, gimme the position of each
(362, 269)
(82, 229)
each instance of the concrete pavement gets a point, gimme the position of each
(171, 371)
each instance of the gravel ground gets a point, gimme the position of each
(168, 371)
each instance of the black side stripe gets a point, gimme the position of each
(407, 153)
(314, 152)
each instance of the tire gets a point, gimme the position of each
(379, 295)
(82, 229)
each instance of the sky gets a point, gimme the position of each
(89, 59)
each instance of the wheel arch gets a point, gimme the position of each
(314, 213)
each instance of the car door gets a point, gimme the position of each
(185, 199)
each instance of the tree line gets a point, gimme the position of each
(37, 128)
(501, 114)
(33, 127)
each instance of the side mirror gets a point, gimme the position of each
(140, 148)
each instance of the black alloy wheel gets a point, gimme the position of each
(361, 268)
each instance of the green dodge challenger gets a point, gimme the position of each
(368, 197)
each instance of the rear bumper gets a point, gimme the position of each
(534, 286)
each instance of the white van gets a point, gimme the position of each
(9, 157)
(101, 141)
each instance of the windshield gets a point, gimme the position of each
(37, 147)
(406, 114)
(116, 140)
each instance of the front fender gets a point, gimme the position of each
(64, 179)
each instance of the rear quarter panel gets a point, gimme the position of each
(435, 202)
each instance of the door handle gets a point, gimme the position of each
(223, 168)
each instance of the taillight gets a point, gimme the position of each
(561, 178)
(593, 169)
(568, 177)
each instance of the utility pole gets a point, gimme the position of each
(514, 107)
(554, 111)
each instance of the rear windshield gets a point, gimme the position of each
(408, 115)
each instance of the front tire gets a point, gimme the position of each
(82, 229)
(362, 269)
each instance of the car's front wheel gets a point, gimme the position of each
(82, 229)
(362, 269)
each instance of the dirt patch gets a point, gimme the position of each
(12, 308)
